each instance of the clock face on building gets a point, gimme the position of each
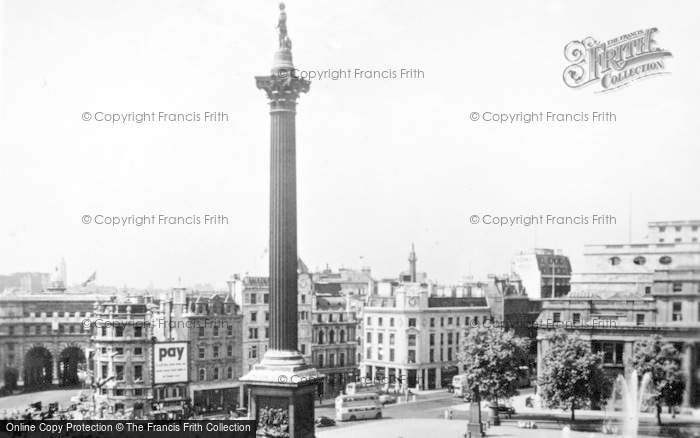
(303, 283)
(413, 301)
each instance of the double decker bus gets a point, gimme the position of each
(357, 406)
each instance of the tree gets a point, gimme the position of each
(663, 362)
(491, 357)
(572, 375)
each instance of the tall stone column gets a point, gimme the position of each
(282, 384)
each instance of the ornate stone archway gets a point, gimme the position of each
(38, 368)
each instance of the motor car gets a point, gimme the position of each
(387, 399)
(325, 422)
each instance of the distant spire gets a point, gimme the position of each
(412, 263)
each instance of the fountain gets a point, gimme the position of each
(632, 396)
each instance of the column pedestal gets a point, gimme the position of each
(281, 396)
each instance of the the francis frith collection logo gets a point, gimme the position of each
(615, 63)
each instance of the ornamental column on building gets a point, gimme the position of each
(282, 386)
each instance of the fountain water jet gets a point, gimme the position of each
(632, 395)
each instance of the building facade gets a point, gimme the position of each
(411, 336)
(122, 353)
(544, 273)
(334, 343)
(631, 291)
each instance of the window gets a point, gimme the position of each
(201, 352)
(411, 340)
(267, 316)
(104, 371)
(380, 321)
(442, 322)
(677, 287)
(229, 350)
(303, 299)
(391, 322)
(449, 338)
(640, 319)
(331, 337)
(639, 260)
(662, 229)
(577, 318)
(266, 298)
(302, 348)
(677, 311)
(556, 317)
(380, 338)
(369, 320)
(202, 375)
(432, 322)
(342, 336)
(432, 339)
(331, 360)
(138, 372)
(119, 393)
(392, 338)
(665, 260)
(466, 321)
(119, 331)
(229, 373)
(647, 290)
(678, 228)
(411, 322)
(200, 332)
(411, 356)
(253, 316)
(677, 240)
(11, 330)
(449, 353)
(138, 392)
(253, 298)
(71, 329)
(442, 338)
(119, 371)
(216, 330)
(449, 321)
(615, 261)
(252, 333)
(120, 351)
(320, 361)
(369, 353)
(432, 355)
(216, 352)
(229, 330)
(103, 331)
(341, 359)
(216, 373)
(369, 337)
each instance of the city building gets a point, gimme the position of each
(334, 343)
(544, 273)
(631, 291)
(345, 282)
(44, 339)
(411, 336)
(254, 294)
(122, 353)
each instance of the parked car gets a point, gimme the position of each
(387, 399)
(325, 422)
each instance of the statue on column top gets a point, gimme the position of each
(285, 42)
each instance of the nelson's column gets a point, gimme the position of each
(282, 386)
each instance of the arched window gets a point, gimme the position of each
(342, 336)
(320, 336)
(665, 260)
(331, 337)
(615, 261)
(216, 373)
(229, 373)
(202, 375)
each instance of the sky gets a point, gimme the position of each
(382, 163)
